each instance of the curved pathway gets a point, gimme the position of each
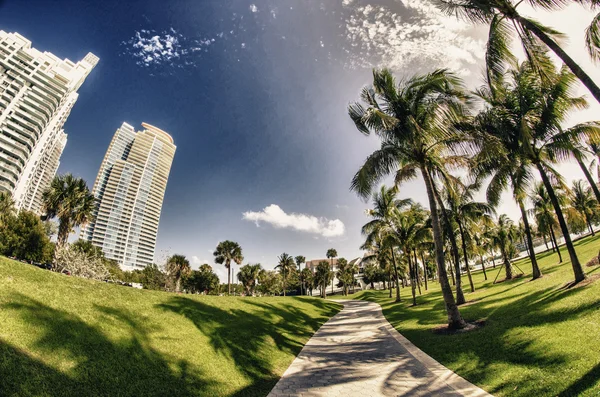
(358, 353)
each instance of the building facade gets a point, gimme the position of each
(37, 92)
(129, 192)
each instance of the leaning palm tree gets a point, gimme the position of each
(385, 209)
(68, 199)
(503, 237)
(466, 212)
(286, 265)
(414, 120)
(331, 253)
(544, 215)
(504, 19)
(177, 267)
(225, 253)
(584, 203)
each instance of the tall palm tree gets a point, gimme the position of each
(583, 201)
(504, 19)
(299, 261)
(385, 209)
(286, 265)
(68, 199)
(331, 253)
(503, 237)
(544, 215)
(414, 120)
(466, 212)
(226, 252)
(7, 207)
(177, 267)
(248, 275)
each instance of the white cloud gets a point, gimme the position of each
(413, 36)
(253, 8)
(197, 261)
(278, 218)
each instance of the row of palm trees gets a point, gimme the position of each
(428, 126)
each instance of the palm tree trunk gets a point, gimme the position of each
(417, 271)
(589, 178)
(284, 283)
(455, 320)
(483, 266)
(451, 269)
(412, 279)
(178, 285)
(493, 259)
(424, 269)
(577, 269)
(545, 241)
(589, 223)
(396, 274)
(464, 247)
(460, 296)
(575, 68)
(390, 282)
(229, 279)
(537, 273)
(507, 265)
(555, 243)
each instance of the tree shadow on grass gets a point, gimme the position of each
(249, 338)
(93, 364)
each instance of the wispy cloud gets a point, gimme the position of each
(197, 261)
(278, 218)
(253, 8)
(409, 35)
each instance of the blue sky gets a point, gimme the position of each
(254, 94)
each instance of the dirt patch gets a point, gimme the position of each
(589, 280)
(508, 279)
(593, 262)
(471, 326)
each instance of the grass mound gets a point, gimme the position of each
(65, 336)
(539, 338)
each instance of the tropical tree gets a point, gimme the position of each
(414, 120)
(583, 202)
(370, 274)
(248, 276)
(68, 199)
(300, 260)
(322, 276)
(226, 252)
(177, 267)
(286, 265)
(306, 278)
(505, 19)
(331, 253)
(7, 207)
(386, 207)
(466, 213)
(503, 237)
(345, 274)
(544, 215)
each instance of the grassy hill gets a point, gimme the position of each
(65, 336)
(540, 337)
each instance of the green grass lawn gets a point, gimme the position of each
(66, 336)
(540, 339)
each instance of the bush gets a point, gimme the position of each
(24, 237)
(79, 263)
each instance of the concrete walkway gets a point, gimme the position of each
(358, 353)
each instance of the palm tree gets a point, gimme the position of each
(248, 275)
(331, 253)
(322, 276)
(414, 120)
(503, 236)
(177, 267)
(306, 278)
(504, 19)
(584, 203)
(285, 266)
(466, 212)
(7, 207)
(544, 215)
(386, 206)
(226, 252)
(68, 199)
(299, 261)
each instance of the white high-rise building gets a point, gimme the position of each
(129, 192)
(37, 92)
